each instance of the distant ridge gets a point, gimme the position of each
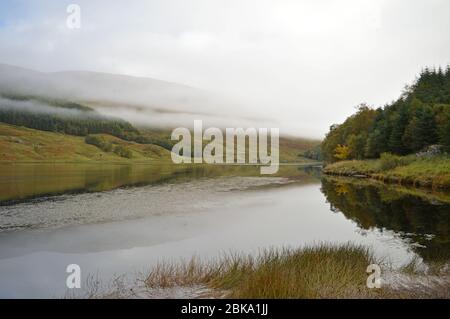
(140, 100)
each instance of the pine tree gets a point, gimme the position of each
(422, 129)
(399, 124)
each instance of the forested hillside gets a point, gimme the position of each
(419, 118)
(67, 117)
(77, 123)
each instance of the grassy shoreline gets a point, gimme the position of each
(323, 271)
(310, 272)
(433, 172)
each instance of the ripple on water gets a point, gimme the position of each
(127, 203)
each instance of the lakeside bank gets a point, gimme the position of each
(427, 172)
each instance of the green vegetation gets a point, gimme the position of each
(323, 271)
(123, 151)
(106, 146)
(84, 121)
(70, 118)
(311, 272)
(376, 143)
(295, 150)
(58, 116)
(314, 153)
(419, 118)
(20, 144)
(99, 142)
(46, 101)
(433, 172)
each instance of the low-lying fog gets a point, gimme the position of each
(142, 101)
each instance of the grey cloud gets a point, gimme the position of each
(302, 64)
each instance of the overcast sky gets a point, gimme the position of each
(306, 64)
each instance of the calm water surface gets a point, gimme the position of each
(118, 219)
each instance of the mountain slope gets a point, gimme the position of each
(20, 144)
(146, 101)
(131, 109)
(85, 86)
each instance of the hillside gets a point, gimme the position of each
(72, 116)
(84, 86)
(20, 144)
(147, 101)
(30, 145)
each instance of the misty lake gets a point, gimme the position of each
(123, 219)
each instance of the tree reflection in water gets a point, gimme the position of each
(421, 220)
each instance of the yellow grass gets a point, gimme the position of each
(20, 144)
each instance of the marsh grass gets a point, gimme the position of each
(322, 271)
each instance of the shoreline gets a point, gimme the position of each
(309, 272)
(423, 173)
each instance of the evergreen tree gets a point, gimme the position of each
(399, 123)
(419, 118)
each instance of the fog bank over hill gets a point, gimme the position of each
(143, 101)
(303, 64)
